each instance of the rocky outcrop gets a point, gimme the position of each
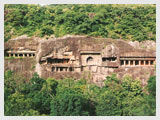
(148, 44)
(23, 67)
(82, 57)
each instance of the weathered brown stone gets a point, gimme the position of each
(82, 56)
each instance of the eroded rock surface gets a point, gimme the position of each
(84, 57)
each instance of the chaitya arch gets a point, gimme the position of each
(89, 60)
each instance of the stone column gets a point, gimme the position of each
(149, 62)
(13, 54)
(154, 62)
(144, 62)
(124, 63)
(129, 63)
(9, 55)
(140, 63)
(134, 62)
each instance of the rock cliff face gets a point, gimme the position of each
(81, 57)
(148, 44)
(23, 67)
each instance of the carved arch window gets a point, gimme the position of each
(89, 60)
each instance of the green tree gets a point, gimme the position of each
(69, 103)
(120, 97)
(17, 104)
(150, 100)
(137, 22)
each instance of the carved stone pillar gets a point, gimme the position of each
(149, 62)
(134, 62)
(154, 62)
(129, 63)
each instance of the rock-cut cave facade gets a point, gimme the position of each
(84, 56)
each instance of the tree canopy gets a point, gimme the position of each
(69, 97)
(133, 22)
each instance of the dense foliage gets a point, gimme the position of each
(77, 97)
(133, 22)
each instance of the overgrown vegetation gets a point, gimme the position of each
(78, 97)
(133, 22)
(68, 97)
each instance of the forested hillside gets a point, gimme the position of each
(124, 96)
(69, 97)
(133, 22)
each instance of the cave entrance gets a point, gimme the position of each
(111, 59)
